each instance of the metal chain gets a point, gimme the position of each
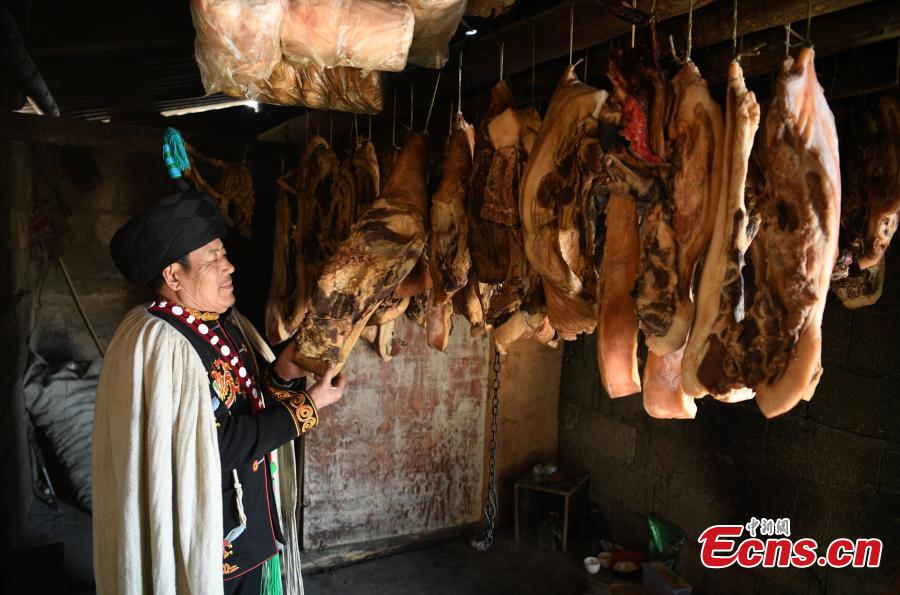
(491, 504)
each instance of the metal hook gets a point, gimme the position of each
(571, 28)
(433, 97)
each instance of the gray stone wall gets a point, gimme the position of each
(831, 465)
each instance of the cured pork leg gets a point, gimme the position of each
(798, 241)
(720, 293)
(617, 328)
(882, 184)
(384, 247)
(449, 259)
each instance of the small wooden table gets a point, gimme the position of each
(565, 487)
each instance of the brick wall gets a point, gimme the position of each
(831, 465)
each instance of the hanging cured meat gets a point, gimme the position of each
(862, 287)
(663, 391)
(282, 286)
(384, 247)
(365, 34)
(799, 222)
(617, 327)
(560, 178)
(449, 250)
(881, 184)
(488, 245)
(472, 302)
(720, 295)
(695, 132)
(366, 177)
(318, 167)
(522, 325)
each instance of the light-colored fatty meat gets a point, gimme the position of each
(881, 184)
(522, 325)
(560, 178)
(663, 392)
(472, 302)
(384, 247)
(617, 326)
(720, 292)
(796, 246)
(449, 259)
(365, 34)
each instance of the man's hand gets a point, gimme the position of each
(328, 389)
(284, 364)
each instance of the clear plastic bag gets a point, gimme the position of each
(436, 22)
(342, 89)
(238, 42)
(365, 34)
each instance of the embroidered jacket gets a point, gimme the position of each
(253, 418)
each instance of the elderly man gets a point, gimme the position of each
(189, 411)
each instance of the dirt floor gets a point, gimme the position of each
(454, 568)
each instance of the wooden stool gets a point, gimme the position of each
(565, 487)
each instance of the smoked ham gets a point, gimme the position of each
(617, 327)
(488, 244)
(720, 293)
(881, 184)
(449, 250)
(558, 185)
(798, 240)
(695, 132)
(384, 247)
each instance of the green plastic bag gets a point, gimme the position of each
(665, 540)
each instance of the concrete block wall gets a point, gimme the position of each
(831, 465)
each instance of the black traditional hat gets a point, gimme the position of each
(164, 233)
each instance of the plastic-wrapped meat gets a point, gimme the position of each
(340, 89)
(382, 250)
(881, 184)
(238, 42)
(710, 357)
(449, 249)
(797, 241)
(436, 22)
(562, 174)
(365, 34)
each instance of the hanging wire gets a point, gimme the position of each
(459, 85)
(571, 27)
(734, 17)
(633, 28)
(433, 97)
(809, 22)
(690, 31)
(502, 48)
